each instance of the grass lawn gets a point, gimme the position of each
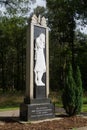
(11, 101)
(57, 100)
(84, 107)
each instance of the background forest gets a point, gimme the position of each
(67, 44)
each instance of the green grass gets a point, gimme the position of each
(85, 100)
(58, 102)
(84, 108)
(8, 109)
(12, 101)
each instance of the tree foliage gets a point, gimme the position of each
(81, 55)
(72, 94)
(13, 24)
(40, 11)
(69, 93)
(65, 45)
(17, 7)
(12, 54)
(79, 91)
(62, 16)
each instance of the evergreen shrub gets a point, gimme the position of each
(72, 94)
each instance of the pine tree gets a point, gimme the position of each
(79, 91)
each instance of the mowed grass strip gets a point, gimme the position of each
(10, 101)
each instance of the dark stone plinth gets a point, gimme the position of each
(39, 92)
(31, 112)
(36, 101)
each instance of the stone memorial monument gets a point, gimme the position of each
(36, 104)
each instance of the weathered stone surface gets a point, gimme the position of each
(29, 112)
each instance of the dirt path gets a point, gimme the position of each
(10, 120)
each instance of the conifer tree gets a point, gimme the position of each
(72, 94)
(79, 91)
(69, 92)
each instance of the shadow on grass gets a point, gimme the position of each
(10, 100)
(9, 119)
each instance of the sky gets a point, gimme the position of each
(39, 3)
(83, 29)
(34, 5)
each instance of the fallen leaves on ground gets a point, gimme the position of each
(65, 123)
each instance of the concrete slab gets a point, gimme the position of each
(13, 113)
(82, 128)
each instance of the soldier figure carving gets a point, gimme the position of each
(40, 65)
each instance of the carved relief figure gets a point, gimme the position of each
(40, 66)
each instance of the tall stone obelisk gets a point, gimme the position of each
(36, 104)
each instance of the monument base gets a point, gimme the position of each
(32, 112)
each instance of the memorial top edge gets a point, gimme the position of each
(38, 20)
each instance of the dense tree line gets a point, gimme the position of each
(12, 53)
(62, 16)
(66, 44)
(13, 23)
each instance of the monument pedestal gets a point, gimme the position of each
(37, 105)
(36, 110)
(39, 92)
